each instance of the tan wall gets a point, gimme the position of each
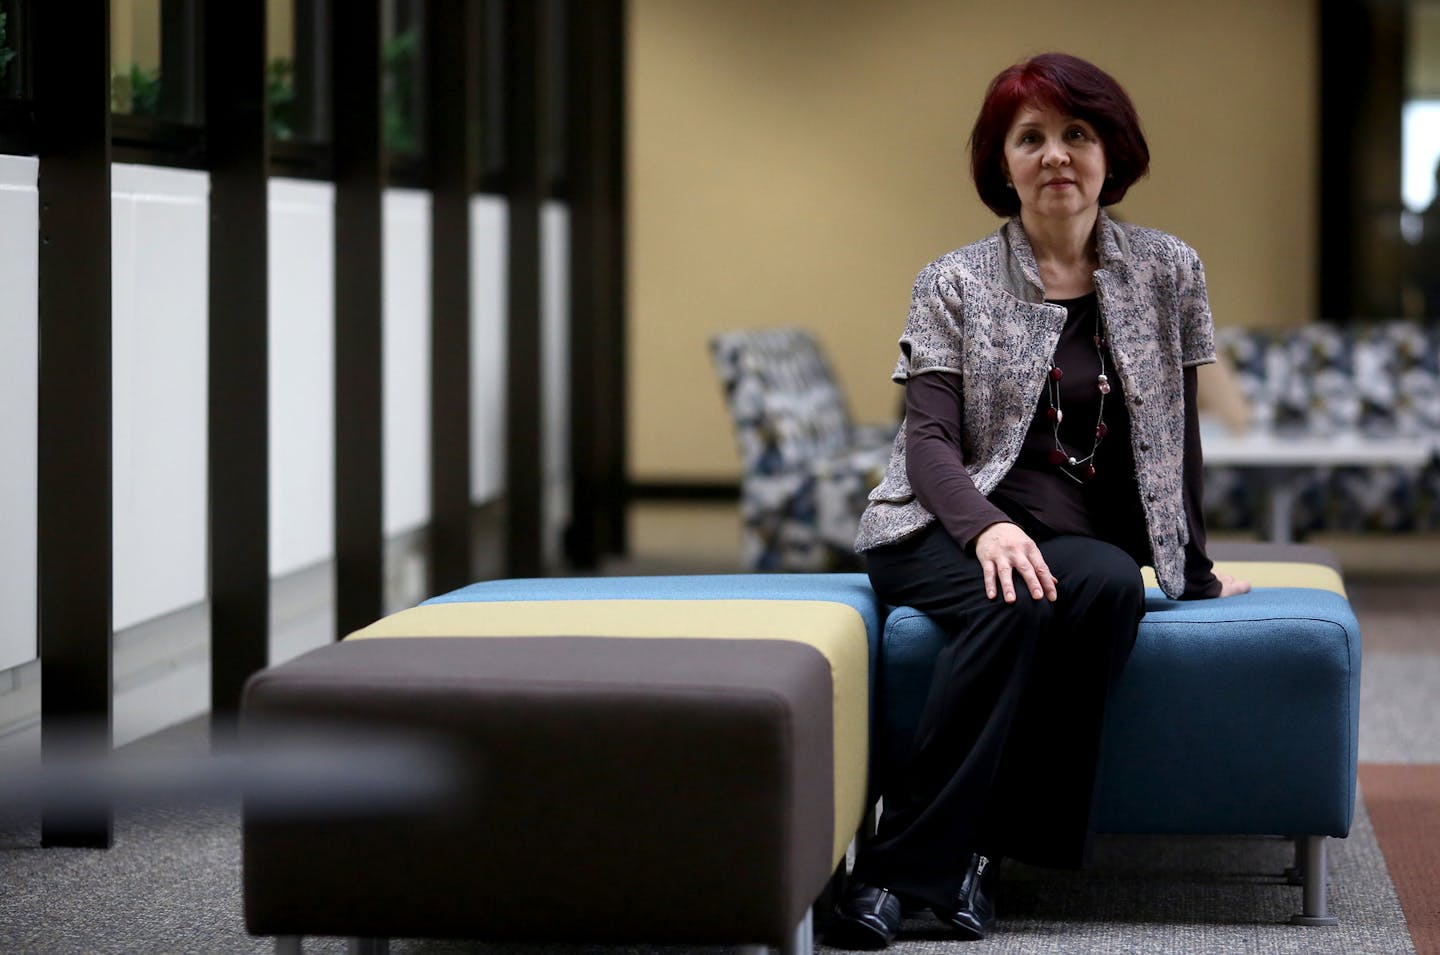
(799, 162)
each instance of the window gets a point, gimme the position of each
(403, 93)
(297, 84)
(16, 125)
(10, 69)
(155, 94)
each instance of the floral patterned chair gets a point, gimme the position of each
(807, 466)
(1328, 377)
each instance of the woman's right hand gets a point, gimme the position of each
(1005, 550)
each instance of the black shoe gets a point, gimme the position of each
(974, 910)
(867, 917)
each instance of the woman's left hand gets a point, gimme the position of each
(1230, 586)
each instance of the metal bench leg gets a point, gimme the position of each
(1310, 859)
(801, 942)
(369, 946)
(289, 945)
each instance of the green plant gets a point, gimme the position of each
(280, 93)
(136, 91)
(6, 54)
(397, 58)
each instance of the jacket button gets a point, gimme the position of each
(1150, 498)
(1144, 445)
(1139, 400)
(1160, 540)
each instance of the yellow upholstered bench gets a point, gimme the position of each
(679, 759)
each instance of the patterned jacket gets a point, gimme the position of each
(979, 312)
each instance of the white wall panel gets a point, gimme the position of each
(488, 301)
(555, 401)
(406, 371)
(159, 265)
(19, 381)
(302, 374)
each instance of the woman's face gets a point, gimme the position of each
(1056, 163)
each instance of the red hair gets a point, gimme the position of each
(1071, 86)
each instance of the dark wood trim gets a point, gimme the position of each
(683, 491)
(17, 128)
(151, 141)
(359, 180)
(615, 538)
(451, 106)
(524, 126)
(71, 73)
(595, 131)
(239, 349)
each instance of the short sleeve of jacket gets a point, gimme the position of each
(1197, 327)
(932, 340)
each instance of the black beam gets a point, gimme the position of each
(1344, 66)
(595, 134)
(237, 147)
(359, 179)
(524, 422)
(453, 34)
(71, 73)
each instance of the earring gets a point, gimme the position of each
(1009, 185)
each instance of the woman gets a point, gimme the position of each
(1050, 447)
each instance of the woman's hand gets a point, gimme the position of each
(1230, 586)
(1005, 550)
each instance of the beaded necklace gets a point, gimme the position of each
(1060, 457)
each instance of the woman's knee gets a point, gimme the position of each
(1026, 615)
(1095, 570)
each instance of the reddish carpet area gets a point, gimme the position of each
(1404, 805)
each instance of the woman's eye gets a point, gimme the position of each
(1078, 133)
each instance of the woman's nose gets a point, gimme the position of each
(1056, 154)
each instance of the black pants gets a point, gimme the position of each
(1004, 759)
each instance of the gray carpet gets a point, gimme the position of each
(171, 883)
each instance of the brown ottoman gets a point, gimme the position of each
(665, 790)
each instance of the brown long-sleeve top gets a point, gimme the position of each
(1035, 494)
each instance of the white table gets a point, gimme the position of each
(1281, 461)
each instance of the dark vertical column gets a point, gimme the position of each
(1361, 254)
(71, 46)
(1344, 46)
(524, 490)
(181, 65)
(359, 544)
(596, 131)
(452, 109)
(312, 70)
(237, 146)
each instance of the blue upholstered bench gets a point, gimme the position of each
(1237, 716)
